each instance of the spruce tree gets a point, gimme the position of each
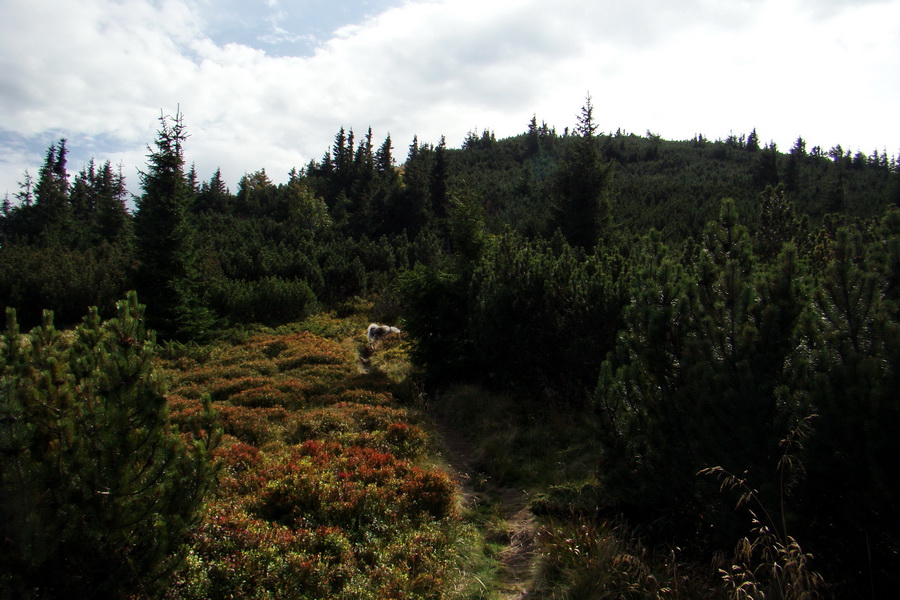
(97, 489)
(384, 162)
(581, 186)
(413, 208)
(214, 195)
(98, 205)
(385, 190)
(25, 195)
(82, 198)
(168, 276)
(361, 219)
(112, 222)
(532, 138)
(752, 143)
(438, 188)
(795, 158)
(53, 215)
(764, 167)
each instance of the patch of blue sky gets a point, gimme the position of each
(285, 27)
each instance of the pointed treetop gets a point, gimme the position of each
(586, 126)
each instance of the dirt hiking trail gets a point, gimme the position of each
(518, 556)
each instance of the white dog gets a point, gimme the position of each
(376, 332)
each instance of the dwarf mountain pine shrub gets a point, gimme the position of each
(97, 491)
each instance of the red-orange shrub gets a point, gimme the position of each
(254, 426)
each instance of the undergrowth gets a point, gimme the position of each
(586, 552)
(527, 449)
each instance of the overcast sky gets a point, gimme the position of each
(267, 83)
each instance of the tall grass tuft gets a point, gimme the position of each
(587, 559)
(767, 566)
(768, 563)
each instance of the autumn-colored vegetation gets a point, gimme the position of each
(324, 486)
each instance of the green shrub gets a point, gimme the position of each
(97, 490)
(270, 300)
(34, 278)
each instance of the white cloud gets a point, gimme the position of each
(100, 71)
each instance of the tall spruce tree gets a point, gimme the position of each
(412, 210)
(764, 167)
(385, 189)
(82, 198)
(112, 222)
(168, 276)
(438, 188)
(384, 161)
(581, 186)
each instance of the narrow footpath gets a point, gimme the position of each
(518, 557)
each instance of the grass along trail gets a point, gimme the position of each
(508, 523)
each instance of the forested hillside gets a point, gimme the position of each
(717, 320)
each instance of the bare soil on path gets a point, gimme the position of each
(517, 559)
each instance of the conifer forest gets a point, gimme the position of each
(628, 367)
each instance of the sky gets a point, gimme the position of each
(266, 84)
